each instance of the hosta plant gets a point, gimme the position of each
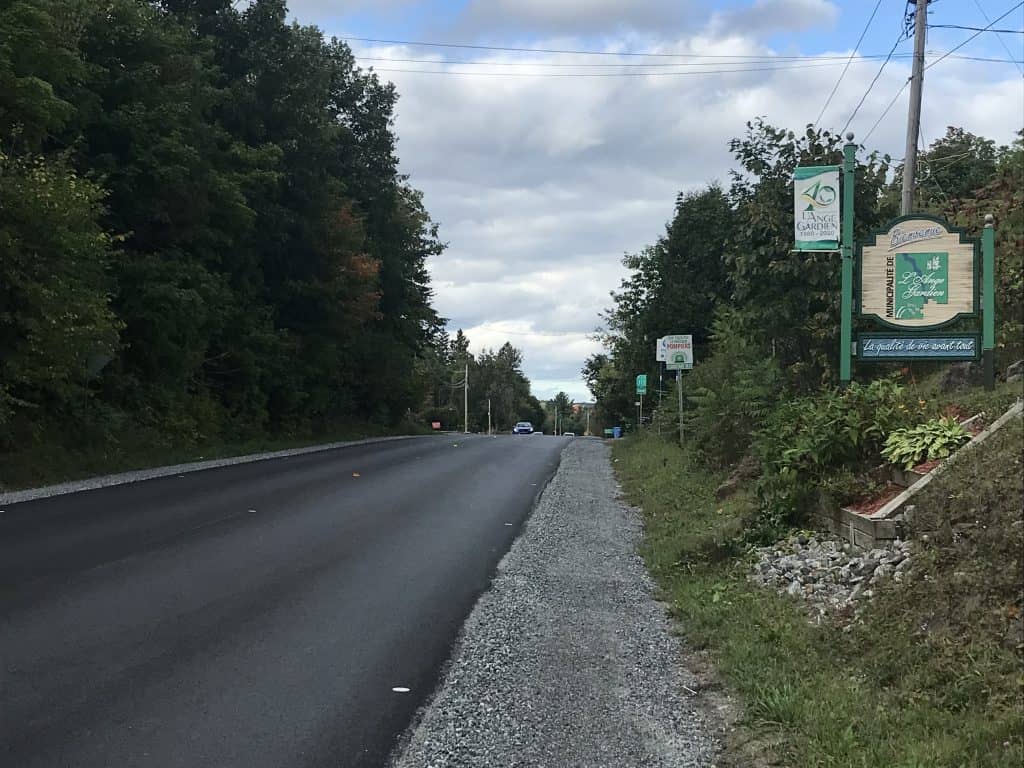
(935, 439)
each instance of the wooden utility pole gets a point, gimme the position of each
(465, 397)
(914, 115)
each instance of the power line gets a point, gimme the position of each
(848, 61)
(570, 65)
(977, 29)
(965, 42)
(878, 74)
(600, 74)
(827, 60)
(592, 52)
(922, 156)
(886, 110)
(998, 37)
(950, 159)
(1010, 60)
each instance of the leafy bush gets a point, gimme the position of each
(732, 393)
(934, 439)
(809, 440)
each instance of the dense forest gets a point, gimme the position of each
(205, 238)
(765, 321)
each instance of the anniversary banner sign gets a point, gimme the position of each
(816, 208)
(918, 274)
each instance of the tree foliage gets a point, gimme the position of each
(765, 320)
(203, 230)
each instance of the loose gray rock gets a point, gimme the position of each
(883, 571)
(826, 573)
(568, 661)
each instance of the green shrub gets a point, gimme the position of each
(809, 440)
(934, 439)
(732, 393)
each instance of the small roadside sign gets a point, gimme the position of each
(641, 384)
(679, 352)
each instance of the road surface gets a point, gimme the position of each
(253, 615)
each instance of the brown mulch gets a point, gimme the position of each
(871, 505)
(927, 466)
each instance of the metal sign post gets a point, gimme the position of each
(679, 390)
(988, 298)
(679, 358)
(846, 302)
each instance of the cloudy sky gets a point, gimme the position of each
(543, 168)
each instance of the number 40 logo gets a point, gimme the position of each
(818, 195)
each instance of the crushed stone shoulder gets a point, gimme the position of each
(568, 660)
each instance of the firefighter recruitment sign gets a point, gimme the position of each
(918, 274)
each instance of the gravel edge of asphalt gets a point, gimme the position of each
(135, 476)
(636, 712)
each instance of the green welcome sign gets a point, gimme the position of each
(915, 277)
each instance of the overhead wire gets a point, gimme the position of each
(792, 63)
(902, 36)
(584, 52)
(574, 65)
(977, 29)
(999, 37)
(881, 117)
(969, 39)
(922, 158)
(947, 54)
(848, 61)
(478, 73)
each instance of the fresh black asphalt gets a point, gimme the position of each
(252, 615)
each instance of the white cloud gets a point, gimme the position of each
(540, 183)
(580, 17)
(309, 11)
(764, 16)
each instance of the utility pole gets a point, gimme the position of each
(465, 396)
(488, 415)
(679, 391)
(914, 116)
(588, 423)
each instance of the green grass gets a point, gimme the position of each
(931, 678)
(971, 400)
(50, 462)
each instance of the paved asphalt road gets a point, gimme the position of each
(253, 615)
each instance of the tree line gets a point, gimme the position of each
(497, 385)
(765, 321)
(204, 234)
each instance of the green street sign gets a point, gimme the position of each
(641, 384)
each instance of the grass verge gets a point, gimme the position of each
(47, 462)
(931, 675)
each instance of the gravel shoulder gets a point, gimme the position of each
(568, 660)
